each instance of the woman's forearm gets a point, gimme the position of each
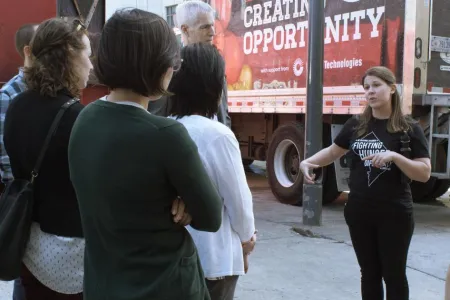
(327, 156)
(414, 169)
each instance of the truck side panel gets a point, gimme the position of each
(265, 43)
(438, 75)
(265, 48)
(13, 15)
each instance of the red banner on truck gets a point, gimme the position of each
(265, 43)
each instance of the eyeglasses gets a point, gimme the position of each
(79, 25)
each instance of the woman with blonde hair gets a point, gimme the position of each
(386, 150)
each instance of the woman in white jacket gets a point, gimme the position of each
(197, 89)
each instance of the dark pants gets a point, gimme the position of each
(35, 290)
(18, 291)
(381, 241)
(222, 289)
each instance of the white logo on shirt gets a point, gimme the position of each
(368, 145)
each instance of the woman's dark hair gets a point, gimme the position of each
(54, 48)
(198, 85)
(136, 49)
(397, 121)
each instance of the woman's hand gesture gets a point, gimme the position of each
(381, 159)
(306, 168)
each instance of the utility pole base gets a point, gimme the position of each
(312, 204)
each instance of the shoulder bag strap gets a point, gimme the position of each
(50, 134)
(405, 150)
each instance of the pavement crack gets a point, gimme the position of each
(426, 273)
(274, 238)
(303, 232)
(310, 234)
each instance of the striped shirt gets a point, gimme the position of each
(7, 93)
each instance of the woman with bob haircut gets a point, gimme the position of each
(386, 149)
(197, 89)
(128, 165)
(60, 67)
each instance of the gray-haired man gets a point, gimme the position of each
(195, 19)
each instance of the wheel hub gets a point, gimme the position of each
(286, 163)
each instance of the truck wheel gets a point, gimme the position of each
(442, 185)
(247, 162)
(433, 188)
(421, 191)
(330, 190)
(430, 190)
(283, 163)
(440, 188)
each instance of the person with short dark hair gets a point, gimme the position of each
(197, 86)
(128, 165)
(59, 68)
(10, 90)
(197, 89)
(195, 19)
(22, 39)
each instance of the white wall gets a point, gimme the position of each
(155, 6)
(171, 2)
(167, 3)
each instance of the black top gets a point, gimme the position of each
(27, 123)
(385, 185)
(127, 167)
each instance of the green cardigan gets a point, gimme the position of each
(127, 167)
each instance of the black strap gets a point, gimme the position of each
(50, 134)
(405, 150)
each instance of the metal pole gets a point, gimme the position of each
(312, 193)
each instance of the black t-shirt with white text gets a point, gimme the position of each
(385, 184)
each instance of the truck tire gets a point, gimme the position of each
(421, 191)
(330, 190)
(440, 188)
(247, 162)
(430, 190)
(433, 188)
(442, 185)
(283, 163)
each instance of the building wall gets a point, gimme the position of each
(168, 3)
(156, 6)
(171, 2)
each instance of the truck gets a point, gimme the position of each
(265, 42)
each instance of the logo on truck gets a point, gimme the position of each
(298, 67)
